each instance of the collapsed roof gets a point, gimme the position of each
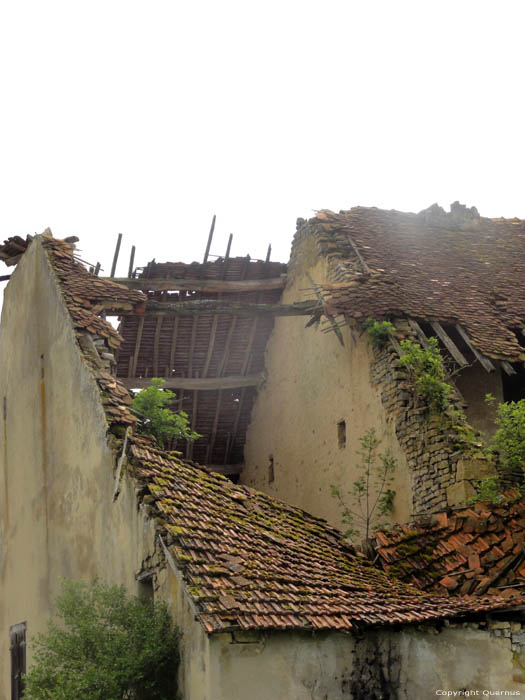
(248, 561)
(454, 268)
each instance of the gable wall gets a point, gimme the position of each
(312, 384)
(56, 468)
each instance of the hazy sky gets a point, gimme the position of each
(149, 117)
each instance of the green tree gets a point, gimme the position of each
(152, 405)
(509, 438)
(371, 497)
(106, 645)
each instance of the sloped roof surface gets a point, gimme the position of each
(456, 268)
(251, 561)
(472, 551)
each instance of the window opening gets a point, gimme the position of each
(271, 469)
(341, 434)
(17, 635)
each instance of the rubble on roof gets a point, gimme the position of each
(476, 550)
(252, 562)
(452, 267)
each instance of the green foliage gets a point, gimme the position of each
(370, 496)
(509, 439)
(159, 420)
(487, 491)
(106, 645)
(427, 373)
(378, 332)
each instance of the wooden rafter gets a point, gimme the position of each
(137, 347)
(156, 346)
(484, 361)
(449, 344)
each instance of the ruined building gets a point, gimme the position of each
(238, 531)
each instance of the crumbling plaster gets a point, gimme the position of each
(312, 384)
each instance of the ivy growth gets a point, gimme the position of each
(427, 373)
(378, 332)
(371, 496)
(105, 645)
(152, 405)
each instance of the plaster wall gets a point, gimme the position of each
(56, 467)
(312, 384)
(378, 665)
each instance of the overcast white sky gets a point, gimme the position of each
(148, 117)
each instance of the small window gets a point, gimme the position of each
(145, 589)
(17, 635)
(271, 470)
(341, 434)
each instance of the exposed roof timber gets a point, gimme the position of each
(484, 361)
(230, 308)
(507, 368)
(419, 331)
(449, 344)
(226, 469)
(199, 383)
(195, 285)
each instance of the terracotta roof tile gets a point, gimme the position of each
(434, 551)
(251, 561)
(429, 268)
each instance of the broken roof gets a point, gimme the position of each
(471, 551)
(452, 267)
(248, 561)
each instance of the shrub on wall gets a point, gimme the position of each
(105, 645)
(427, 373)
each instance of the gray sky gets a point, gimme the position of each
(148, 117)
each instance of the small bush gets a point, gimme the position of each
(106, 645)
(378, 332)
(425, 366)
(509, 438)
(152, 405)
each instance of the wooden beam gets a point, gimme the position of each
(189, 443)
(197, 307)
(418, 331)
(199, 383)
(199, 285)
(449, 344)
(226, 469)
(115, 257)
(131, 261)
(156, 346)
(210, 238)
(484, 361)
(173, 345)
(137, 347)
(508, 368)
(359, 256)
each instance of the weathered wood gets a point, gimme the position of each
(329, 317)
(4, 278)
(196, 307)
(189, 443)
(359, 256)
(97, 269)
(226, 469)
(173, 345)
(213, 437)
(192, 345)
(507, 368)
(131, 261)
(116, 488)
(449, 344)
(137, 347)
(199, 285)
(268, 253)
(156, 346)
(210, 238)
(418, 331)
(115, 257)
(199, 383)
(484, 361)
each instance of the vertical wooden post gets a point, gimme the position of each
(115, 257)
(210, 237)
(97, 269)
(268, 253)
(131, 262)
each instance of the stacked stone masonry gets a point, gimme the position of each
(432, 448)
